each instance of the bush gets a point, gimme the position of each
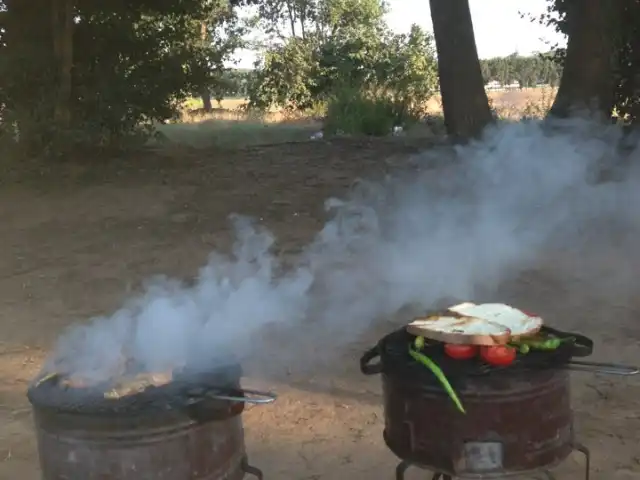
(399, 72)
(353, 112)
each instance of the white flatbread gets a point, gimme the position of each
(484, 324)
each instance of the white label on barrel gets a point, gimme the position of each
(482, 456)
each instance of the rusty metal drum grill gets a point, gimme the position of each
(514, 425)
(518, 419)
(165, 433)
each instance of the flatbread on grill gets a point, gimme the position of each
(471, 324)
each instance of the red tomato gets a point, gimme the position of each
(499, 355)
(461, 352)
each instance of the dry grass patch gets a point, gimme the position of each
(512, 104)
(235, 109)
(230, 125)
(235, 133)
(526, 103)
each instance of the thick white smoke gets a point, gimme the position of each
(444, 231)
(174, 324)
(457, 221)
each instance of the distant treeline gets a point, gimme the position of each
(528, 71)
(233, 83)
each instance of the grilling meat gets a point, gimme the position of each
(137, 384)
(126, 385)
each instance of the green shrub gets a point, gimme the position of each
(354, 112)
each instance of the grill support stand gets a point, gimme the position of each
(251, 470)
(404, 465)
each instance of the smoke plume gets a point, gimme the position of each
(458, 220)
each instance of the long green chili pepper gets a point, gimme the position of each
(435, 369)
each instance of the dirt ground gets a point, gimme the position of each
(77, 239)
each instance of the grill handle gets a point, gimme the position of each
(604, 368)
(248, 396)
(239, 396)
(366, 367)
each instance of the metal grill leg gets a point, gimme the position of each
(587, 458)
(250, 470)
(402, 467)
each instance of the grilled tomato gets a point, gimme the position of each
(461, 352)
(498, 355)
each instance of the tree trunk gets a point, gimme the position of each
(587, 81)
(62, 33)
(291, 14)
(207, 106)
(205, 94)
(464, 100)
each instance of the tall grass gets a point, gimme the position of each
(352, 112)
(364, 112)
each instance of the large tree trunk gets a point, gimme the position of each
(587, 81)
(464, 100)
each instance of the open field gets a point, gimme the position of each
(76, 244)
(228, 126)
(513, 104)
(505, 100)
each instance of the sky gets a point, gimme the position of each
(498, 28)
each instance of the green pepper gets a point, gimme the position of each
(430, 364)
(419, 343)
(550, 343)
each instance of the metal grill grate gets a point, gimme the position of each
(393, 350)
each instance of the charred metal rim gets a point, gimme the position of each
(128, 426)
(395, 360)
(492, 388)
(185, 391)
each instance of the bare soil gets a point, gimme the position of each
(77, 239)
